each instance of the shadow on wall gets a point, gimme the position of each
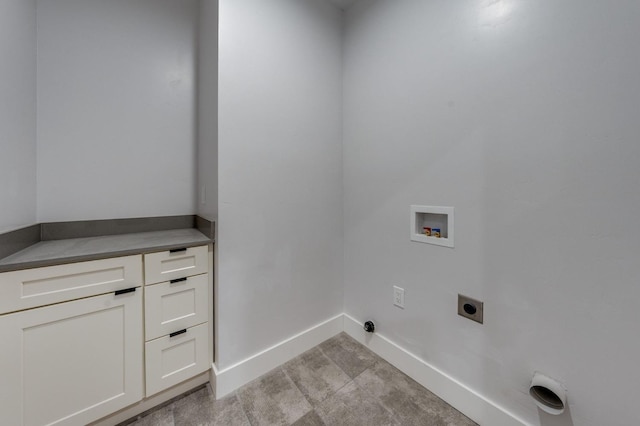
(563, 419)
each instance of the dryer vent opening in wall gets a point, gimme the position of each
(432, 225)
(549, 394)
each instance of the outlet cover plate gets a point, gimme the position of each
(398, 296)
(470, 308)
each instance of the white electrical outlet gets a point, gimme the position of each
(398, 296)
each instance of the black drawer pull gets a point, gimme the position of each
(177, 280)
(177, 333)
(126, 290)
(178, 250)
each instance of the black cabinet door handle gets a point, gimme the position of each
(177, 280)
(177, 333)
(178, 250)
(126, 290)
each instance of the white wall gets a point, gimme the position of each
(116, 108)
(17, 113)
(280, 172)
(523, 115)
(207, 95)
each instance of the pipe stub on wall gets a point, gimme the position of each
(369, 327)
(548, 394)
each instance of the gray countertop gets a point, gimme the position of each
(55, 252)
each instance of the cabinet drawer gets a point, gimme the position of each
(30, 288)
(169, 265)
(172, 306)
(171, 360)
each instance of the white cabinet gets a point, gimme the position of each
(77, 347)
(71, 363)
(176, 317)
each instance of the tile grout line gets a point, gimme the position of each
(237, 395)
(378, 400)
(353, 380)
(296, 386)
(339, 368)
(333, 361)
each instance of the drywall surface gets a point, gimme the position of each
(523, 115)
(280, 172)
(17, 113)
(116, 108)
(208, 109)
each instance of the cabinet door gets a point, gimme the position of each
(71, 363)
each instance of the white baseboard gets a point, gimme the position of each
(231, 378)
(464, 399)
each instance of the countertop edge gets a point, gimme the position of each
(100, 256)
(20, 240)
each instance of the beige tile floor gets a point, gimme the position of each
(339, 382)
